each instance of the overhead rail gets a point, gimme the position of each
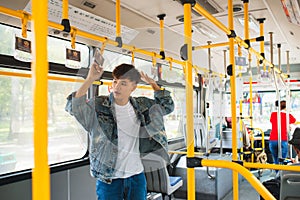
(77, 32)
(19, 14)
(66, 79)
(223, 44)
(231, 33)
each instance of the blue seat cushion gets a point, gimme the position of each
(174, 180)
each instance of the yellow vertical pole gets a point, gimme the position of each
(189, 95)
(65, 9)
(241, 106)
(271, 47)
(161, 27)
(246, 32)
(261, 33)
(233, 99)
(251, 115)
(40, 173)
(246, 20)
(262, 45)
(118, 18)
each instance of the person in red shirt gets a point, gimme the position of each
(273, 143)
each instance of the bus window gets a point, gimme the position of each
(66, 139)
(263, 108)
(56, 47)
(172, 121)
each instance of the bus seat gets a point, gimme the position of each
(157, 176)
(290, 184)
(200, 133)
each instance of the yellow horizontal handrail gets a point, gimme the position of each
(19, 14)
(250, 164)
(67, 79)
(271, 166)
(207, 71)
(184, 153)
(257, 185)
(221, 44)
(242, 169)
(215, 21)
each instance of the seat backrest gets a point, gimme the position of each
(202, 138)
(155, 168)
(290, 184)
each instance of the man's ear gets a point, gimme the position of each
(134, 87)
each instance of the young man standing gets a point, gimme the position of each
(121, 130)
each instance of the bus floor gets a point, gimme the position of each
(246, 191)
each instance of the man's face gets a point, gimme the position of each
(122, 89)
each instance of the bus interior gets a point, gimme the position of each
(203, 51)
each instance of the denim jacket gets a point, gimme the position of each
(98, 117)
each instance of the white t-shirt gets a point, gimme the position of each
(128, 161)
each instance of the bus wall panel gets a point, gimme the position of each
(75, 184)
(16, 191)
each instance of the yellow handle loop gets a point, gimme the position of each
(103, 46)
(24, 24)
(73, 37)
(132, 55)
(154, 59)
(170, 63)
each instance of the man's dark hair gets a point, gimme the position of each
(126, 71)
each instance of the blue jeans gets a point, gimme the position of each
(273, 145)
(131, 188)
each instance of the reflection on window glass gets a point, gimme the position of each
(172, 121)
(66, 139)
(262, 107)
(174, 75)
(57, 51)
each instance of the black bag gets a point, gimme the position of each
(273, 186)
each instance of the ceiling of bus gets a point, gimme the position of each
(142, 16)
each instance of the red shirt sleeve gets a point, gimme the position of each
(292, 119)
